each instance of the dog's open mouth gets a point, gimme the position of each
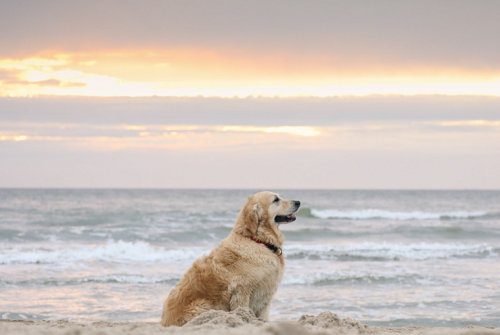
(285, 218)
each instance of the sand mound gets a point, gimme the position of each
(238, 317)
(244, 317)
(328, 320)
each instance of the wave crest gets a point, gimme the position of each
(120, 278)
(112, 252)
(124, 252)
(366, 214)
(388, 251)
(335, 277)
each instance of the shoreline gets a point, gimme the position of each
(238, 322)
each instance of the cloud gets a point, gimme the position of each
(396, 159)
(33, 75)
(383, 34)
(363, 142)
(260, 112)
(475, 123)
(48, 82)
(316, 123)
(203, 73)
(225, 48)
(42, 83)
(7, 75)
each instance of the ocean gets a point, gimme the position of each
(381, 257)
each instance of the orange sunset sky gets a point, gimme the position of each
(230, 94)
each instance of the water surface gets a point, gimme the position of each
(383, 257)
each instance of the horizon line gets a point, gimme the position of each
(243, 189)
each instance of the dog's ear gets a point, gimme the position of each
(251, 216)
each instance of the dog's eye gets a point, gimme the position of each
(276, 200)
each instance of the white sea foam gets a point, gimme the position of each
(365, 214)
(143, 252)
(118, 278)
(329, 277)
(413, 251)
(113, 252)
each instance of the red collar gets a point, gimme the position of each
(272, 247)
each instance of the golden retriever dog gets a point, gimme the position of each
(244, 270)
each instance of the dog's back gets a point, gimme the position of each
(199, 290)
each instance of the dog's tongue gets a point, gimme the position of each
(290, 216)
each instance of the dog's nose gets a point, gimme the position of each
(297, 204)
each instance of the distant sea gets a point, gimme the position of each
(382, 257)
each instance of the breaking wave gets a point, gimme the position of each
(389, 251)
(337, 277)
(125, 252)
(367, 214)
(112, 252)
(318, 279)
(106, 279)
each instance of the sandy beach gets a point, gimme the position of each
(238, 322)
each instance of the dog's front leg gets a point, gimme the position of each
(264, 313)
(239, 298)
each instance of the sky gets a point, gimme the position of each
(250, 94)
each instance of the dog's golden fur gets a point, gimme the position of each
(238, 272)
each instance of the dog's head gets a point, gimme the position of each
(262, 214)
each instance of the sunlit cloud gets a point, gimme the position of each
(172, 140)
(355, 136)
(288, 130)
(158, 136)
(301, 131)
(14, 138)
(210, 74)
(292, 130)
(470, 123)
(383, 136)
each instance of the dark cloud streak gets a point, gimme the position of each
(6, 75)
(248, 111)
(9, 80)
